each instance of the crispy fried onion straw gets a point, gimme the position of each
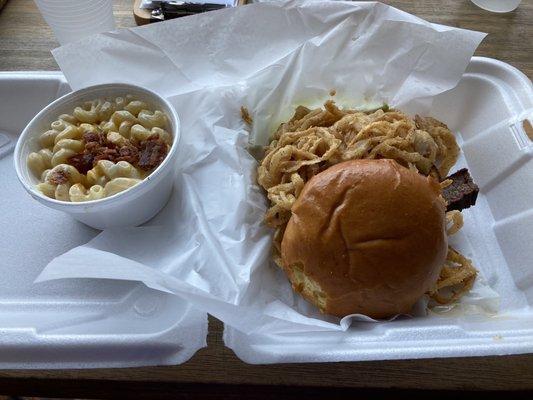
(313, 140)
(456, 278)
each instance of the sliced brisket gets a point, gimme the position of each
(462, 192)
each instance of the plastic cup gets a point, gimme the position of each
(498, 6)
(65, 12)
(65, 18)
(74, 15)
(67, 23)
(86, 22)
(72, 20)
(62, 11)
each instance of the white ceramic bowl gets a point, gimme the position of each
(131, 207)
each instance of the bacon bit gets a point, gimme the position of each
(83, 162)
(105, 153)
(152, 152)
(128, 153)
(58, 177)
(93, 137)
(146, 155)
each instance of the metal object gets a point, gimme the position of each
(176, 9)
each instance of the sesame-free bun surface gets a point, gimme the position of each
(366, 237)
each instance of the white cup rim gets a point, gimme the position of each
(80, 28)
(71, 11)
(70, 3)
(74, 16)
(47, 9)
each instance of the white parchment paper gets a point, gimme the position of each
(209, 244)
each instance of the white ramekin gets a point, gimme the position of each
(131, 207)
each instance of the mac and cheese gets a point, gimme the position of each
(103, 148)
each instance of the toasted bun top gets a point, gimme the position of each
(366, 237)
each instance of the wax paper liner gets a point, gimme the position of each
(209, 244)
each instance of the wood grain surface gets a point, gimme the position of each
(26, 40)
(25, 44)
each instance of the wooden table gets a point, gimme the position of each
(25, 44)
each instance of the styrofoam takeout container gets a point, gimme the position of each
(131, 207)
(71, 323)
(487, 111)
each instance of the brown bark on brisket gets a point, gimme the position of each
(462, 192)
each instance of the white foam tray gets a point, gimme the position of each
(71, 323)
(486, 111)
